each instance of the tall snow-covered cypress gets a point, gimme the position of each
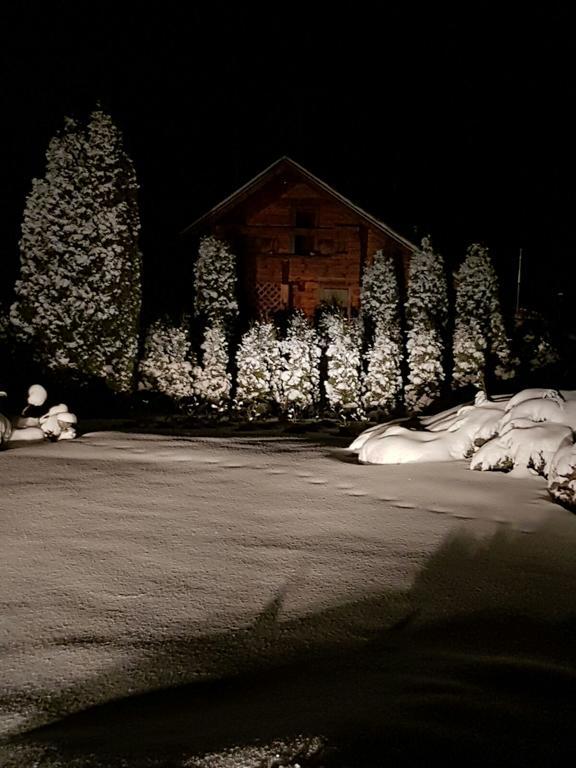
(212, 382)
(299, 375)
(480, 343)
(79, 294)
(343, 339)
(258, 365)
(215, 283)
(426, 318)
(379, 303)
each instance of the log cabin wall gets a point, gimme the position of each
(299, 243)
(303, 249)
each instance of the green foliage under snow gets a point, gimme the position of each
(166, 366)
(343, 338)
(258, 364)
(298, 386)
(426, 317)
(480, 341)
(215, 282)
(79, 295)
(212, 381)
(379, 301)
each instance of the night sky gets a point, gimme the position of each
(458, 125)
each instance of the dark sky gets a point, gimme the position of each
(458, 125)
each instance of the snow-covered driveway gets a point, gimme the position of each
(131, 562)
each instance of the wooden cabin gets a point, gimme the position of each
(299, 243)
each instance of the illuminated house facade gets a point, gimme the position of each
(299, 243)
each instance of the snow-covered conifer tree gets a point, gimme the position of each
(343, 340)
(299, 375)
(79, 294)
(212, 382)
(479, 334)
(215, 283)
(258, 364)
(426, 317)
(379, 302)
(166, 366)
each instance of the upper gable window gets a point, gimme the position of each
(304, 218)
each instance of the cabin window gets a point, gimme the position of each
(303, 245)
(262, 244)
(304, 218)
(335, 297)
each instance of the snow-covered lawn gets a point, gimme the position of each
(131, 563)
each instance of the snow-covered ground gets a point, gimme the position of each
(422, 604)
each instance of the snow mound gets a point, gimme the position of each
(531, 432)
(56, 424)
(525, 447)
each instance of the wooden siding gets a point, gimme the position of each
(297, 243)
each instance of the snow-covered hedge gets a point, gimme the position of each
(298, 386)
(212, 381)
(426, 316)
(258, 364)
(166, 366)
(343, 386)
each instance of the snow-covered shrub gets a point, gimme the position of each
(523, 446)
(166, 366)
(534, 347)
(426, 317)
(258, 365)
(79, 294)
(480, 344)
(382, 382)
(212, 382)
(542, 409)
(299, 376)
(379, 301)
(215, 283)
(562, 476)
(343, 386)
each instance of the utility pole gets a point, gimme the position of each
(518, 282)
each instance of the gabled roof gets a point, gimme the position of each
(275, 169)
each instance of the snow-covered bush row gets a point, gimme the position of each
(34, 423)
(532, 432)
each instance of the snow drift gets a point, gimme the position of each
(531, 432)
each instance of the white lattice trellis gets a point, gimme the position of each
(269, 297)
